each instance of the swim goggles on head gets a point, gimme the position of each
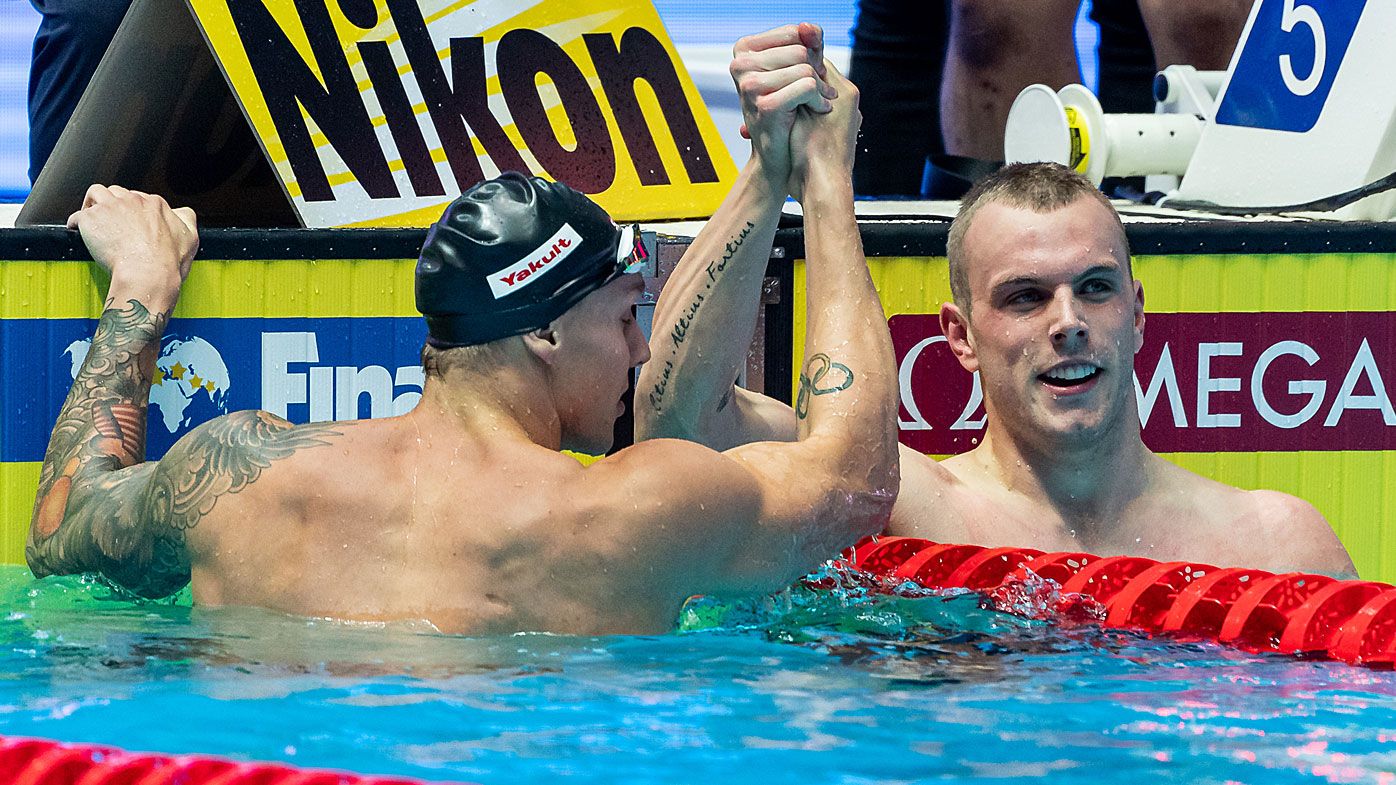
(631, 254)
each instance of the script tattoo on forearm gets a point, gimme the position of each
(99, 509)
(822, 376)
(678, 334)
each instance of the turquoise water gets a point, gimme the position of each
(807, 687)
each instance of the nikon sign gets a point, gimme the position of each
(378, 112)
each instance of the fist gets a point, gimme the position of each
(137, 238)
(778, 72)
(829, 140)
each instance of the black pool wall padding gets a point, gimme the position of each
(918, 237)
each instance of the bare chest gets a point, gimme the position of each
(1162, 526)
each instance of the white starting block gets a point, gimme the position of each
(1306, 112)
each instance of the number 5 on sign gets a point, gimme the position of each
(1292, 51)
(1295, 15)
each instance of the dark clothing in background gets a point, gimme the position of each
(71, 40)
(1126, 58)
(899, 56)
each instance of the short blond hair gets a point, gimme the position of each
(464, 359)
(1040, 187)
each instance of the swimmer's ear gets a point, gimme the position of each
(542, 343)
(954, 324)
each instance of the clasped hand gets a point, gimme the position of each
(795, 104)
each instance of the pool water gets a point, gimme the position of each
(807, 687)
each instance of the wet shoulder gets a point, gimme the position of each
(1266, 529)
(666, 467)
(938, 499)
(226, 454)
(1218, 504)
(676, 482)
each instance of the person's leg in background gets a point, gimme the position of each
(1126, 74)
(1199, 33)
(73, 35)
(898, 54)
(998, 47)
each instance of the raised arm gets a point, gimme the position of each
(758, 516)
(846, 458)
(101, 508)
(706, 314)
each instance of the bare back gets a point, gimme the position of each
(395, 519)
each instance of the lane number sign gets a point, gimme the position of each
(1288, 64)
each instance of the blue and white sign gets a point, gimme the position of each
(301, 369)
(1285, 72)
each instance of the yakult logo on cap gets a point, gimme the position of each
(524, 272)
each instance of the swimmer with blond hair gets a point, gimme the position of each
(1046, 308)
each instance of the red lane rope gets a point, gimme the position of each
(1294, 613)
(40, 762)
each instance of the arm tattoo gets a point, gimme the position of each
(816, 380)
(679, 332)
(99, 509)
(102, 422)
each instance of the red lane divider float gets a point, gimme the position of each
(1293, 613)
(40, 762)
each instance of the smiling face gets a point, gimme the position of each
(1055, 318)
(597, 343)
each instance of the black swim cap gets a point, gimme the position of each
(510, 255)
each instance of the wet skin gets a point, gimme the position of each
(1055, 319)
(1054, 323)
(463, 512)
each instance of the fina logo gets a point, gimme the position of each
(191, 380)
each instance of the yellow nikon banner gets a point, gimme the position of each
(378, 112)
(1259, 370)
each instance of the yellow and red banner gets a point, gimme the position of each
(378, 112)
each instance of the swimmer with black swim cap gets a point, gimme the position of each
(462, 511)
(514, 253)
(512, 257)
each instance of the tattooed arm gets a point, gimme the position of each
(759, 515)
(83, 514)
(100, 508)
(707, 312)
(840, 480)
(847, 399)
